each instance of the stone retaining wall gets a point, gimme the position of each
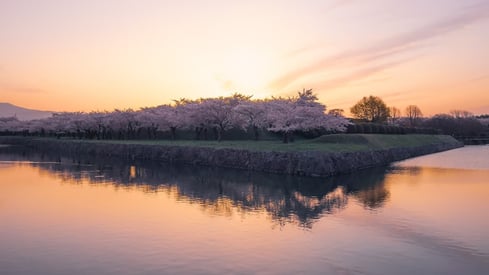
(315, 163)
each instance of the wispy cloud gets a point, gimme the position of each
(301, 50)
(389, 98)
(358, 74)
(28, 90)
(334, 5)
(338, 4)
(225, 83)
(389, 48)
(443, 245)
(479, 78)
(20, 89)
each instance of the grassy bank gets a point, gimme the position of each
(329, 143)
(322, 157)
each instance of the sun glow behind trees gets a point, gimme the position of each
(242, 69)
(103, 55)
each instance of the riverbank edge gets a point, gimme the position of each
(302, 163)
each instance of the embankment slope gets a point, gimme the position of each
(322, 157)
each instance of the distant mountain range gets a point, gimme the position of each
(9, 110)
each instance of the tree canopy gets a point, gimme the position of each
(371, 109)
(281, 115)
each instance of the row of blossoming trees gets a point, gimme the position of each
(279, 115)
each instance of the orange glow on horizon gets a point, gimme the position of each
(80, 57)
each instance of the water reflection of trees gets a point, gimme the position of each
(286, 199)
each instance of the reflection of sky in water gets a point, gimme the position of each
(468, 157)
(75, 215)
(300, 201)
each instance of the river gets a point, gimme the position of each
(80, 215)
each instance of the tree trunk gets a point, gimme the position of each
(149, 132)
(198, 130)
(215, 130)
(257, 134)
(286, 137)
(219, 135)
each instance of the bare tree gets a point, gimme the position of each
(414, 114)
(461, 114)
(395, 114)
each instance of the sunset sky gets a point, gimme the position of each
(105, 54)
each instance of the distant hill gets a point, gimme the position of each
(9, 110)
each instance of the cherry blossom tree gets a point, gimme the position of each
(301, 113)
(174, 117)
(193, 117)
(253, 114)
(99, 122)
(10, 125)
(149, 119)
(219, 114)
(283, 115)
(58, 124)
(124, 123)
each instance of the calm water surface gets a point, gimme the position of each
(77, 215)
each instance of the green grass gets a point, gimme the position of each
(328, 143)
(385, 141)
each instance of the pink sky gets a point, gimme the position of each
(101, 55)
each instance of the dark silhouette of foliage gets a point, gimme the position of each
(371, 109)
(456, 126)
